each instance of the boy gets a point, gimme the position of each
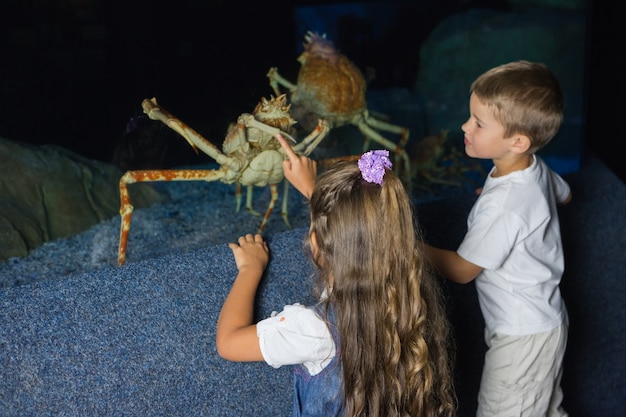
(512, 248)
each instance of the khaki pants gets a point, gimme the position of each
(522, 375)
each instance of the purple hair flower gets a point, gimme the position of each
(373, 164)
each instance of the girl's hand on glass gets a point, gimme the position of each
(299, 170)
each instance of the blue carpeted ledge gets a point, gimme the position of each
(139, 340)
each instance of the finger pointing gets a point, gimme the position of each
(287, 147)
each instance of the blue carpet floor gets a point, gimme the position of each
(139, 340)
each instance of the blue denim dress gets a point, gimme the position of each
(321, 394)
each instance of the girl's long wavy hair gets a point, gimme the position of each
(395, 345)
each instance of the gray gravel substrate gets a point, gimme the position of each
(198, 215)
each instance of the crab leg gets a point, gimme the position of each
(310, 142)
(270, 207)
(249, 193)
(283, 211)
(276, 80)
(131, 177)
(249, 121)
(196, 140)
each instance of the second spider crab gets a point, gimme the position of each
(435, 161)
(329, 86)
(251, 156)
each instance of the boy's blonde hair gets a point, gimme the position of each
(525, 98)
(393, 330)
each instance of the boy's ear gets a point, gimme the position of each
(521, 144)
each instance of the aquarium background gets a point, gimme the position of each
(75, 72)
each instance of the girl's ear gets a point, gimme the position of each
(313, 243)
(521, 144)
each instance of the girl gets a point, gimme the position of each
(377, 342)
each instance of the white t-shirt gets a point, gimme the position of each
(296, 335)
(514, 234)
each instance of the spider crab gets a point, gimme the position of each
(436, 162)
(331, 87)
(251, 156)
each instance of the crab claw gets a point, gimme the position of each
(288, 136)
